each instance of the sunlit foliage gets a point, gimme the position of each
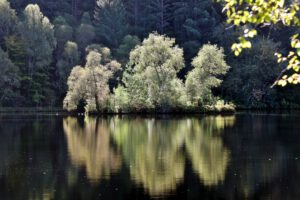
(8, 19)
(262, 13)
(38, 35)
(208, 65)
(151, 78)
(250, 79)
(110, 21)
(90, 84)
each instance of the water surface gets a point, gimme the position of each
(246, 156)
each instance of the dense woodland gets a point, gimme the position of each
(135, 55)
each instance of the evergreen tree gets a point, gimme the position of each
(9, 81)
(136, 14)
(85, 33)
(194, 22)
(159, 16)
(110, 21)
(129, 42)
(70, 57)
(63, 33)
(249, 82)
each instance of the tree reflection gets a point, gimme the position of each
(89, 147)
(247, 157)
(151, 149)
(154, 149)
(206, 150)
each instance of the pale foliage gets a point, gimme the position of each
(156, 150)
(208, 65)
(261, 13)
(8, 18)
(151, 79)
(90, 83)
(38, 33)
(121, 99)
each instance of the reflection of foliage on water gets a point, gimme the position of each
(89, 147)
(152, 151)
(206, 150)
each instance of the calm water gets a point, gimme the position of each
(247, 156)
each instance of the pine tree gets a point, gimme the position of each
(159, 15)
(9, 81)
(110, 21)
(136, 13)
(63, 33)
(194, 22)
(85, 33)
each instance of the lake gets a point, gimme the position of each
(246, 156)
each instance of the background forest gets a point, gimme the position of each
(42, 40)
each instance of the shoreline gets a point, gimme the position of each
(60, 112)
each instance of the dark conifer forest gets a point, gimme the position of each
(135, 54)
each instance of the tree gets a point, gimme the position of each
(70, 58)
(206, 150)
(85, 33)
(136, 14)
(90, 84)
(194, 23)
(9, 81)
(258, 14)
(110, 22)
(151, 78)
(8, 20)
(90, 147)
(63, 33)
(38, 35)
(251, 75)
(208, 65)
(154, 160)
(129, 42)
(159, 16)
